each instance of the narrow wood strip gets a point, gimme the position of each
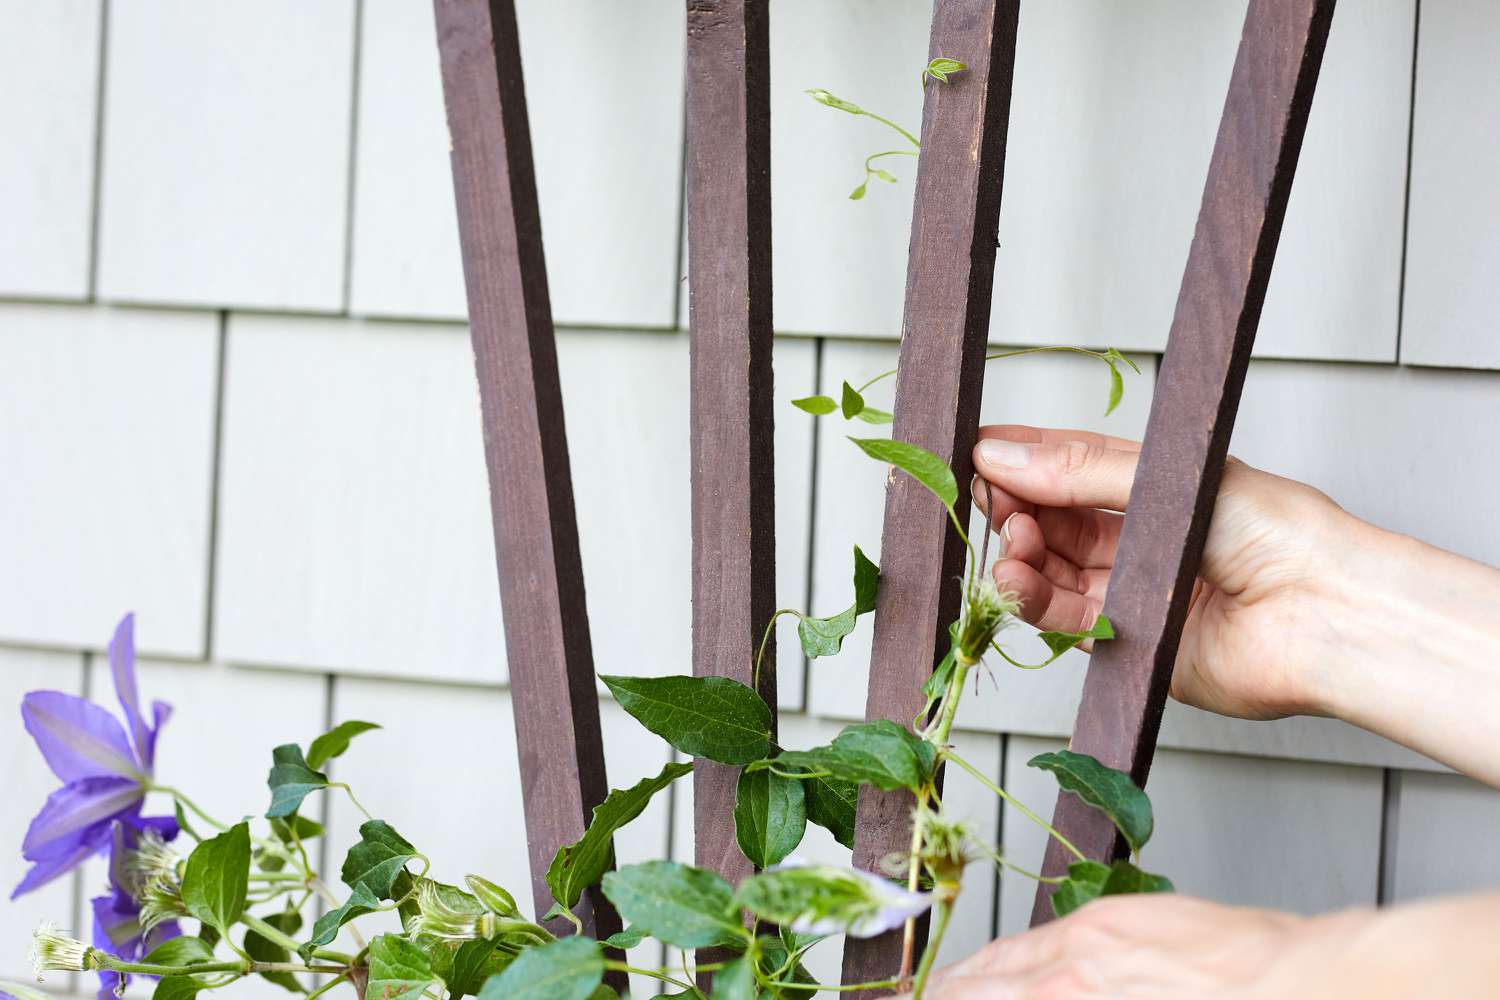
(1192, 414)
(950, 271)
(729, 299)
(526, 450)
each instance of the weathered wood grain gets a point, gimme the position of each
(526, 451)
(950, 271)
(1192, 413)
(729, 303)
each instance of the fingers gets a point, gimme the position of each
(1081, 470)
(1049, 435)
(1046, 604)
(1085, 537)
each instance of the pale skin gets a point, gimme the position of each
(1300, 609)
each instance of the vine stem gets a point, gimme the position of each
(944, 914)
(913, 875)
(1002, 355)
(652, 973)
(1016, 803)
(765, 638)
(188, 804)
(881, 984)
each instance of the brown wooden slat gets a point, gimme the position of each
(945, 326)
(729, 296)
(526, 450)
(1192, 414)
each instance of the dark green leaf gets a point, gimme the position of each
(475, 962)
(1125, 879)
(397, 967)
(291, 780)
(297, 827)
(816, 405)
(577, 866)
(626, 939)
(879, 753)
(178, 988)
(678, 904)
(825, 636)
(919, 463)
(1109, 790)
(712, 717)
(360, 902)
(1085, 882)
(830, 803)
(770, 815)
(850, 402)
(870, 415)
(217, 877)
(334, 742)
(774, 955)
(570, 968)
(377, 859)
(736, 981)
(265, 950)
(937, 682)
(184, 950)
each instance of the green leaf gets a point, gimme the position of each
(827, 899)
(830, 803)
(884, 175)
(858, 192)
(570, 968)
(178, 988)
(941, 67)
(377, 859)
(475, 962)
(774, 955)
(1060, 642)
(182, 821)
(291, 780)
(851, 402)
(1109, 790)
(263, 949)
(360, 902)
(770, 816)
(870, 415)
(626, 939)
(937, 681)
(295, 827)
(397, 967)
(825, 636)
(919, 463)
(1126, 879)
(678, 904)
(880, 753)
(334, 742)
(579, 865)
(184, 950)
(1085, 882)
(217, 877)
(736, 980)
(713, 717)
(816, 405)
(1116, 390)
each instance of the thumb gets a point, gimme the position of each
(1072, 473)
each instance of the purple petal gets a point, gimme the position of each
(160, 713)
(78, 738)
(117, 925)
(122, 666)
(76, 807)
(165, 826)
(111, 985)
(63, 858)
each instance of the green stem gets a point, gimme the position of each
(886, 121)
(244, 968)
(652, 973)
(188, 804)
(913, 875)
(944, 914)
(765, 638)
(1016, 803)
(297, 877)
(883, 984)
(950, 703)
(272, 934)
(1008, 354)
(327, 986)
(350, 792)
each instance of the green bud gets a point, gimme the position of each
(986, 610)
(825, 98)
(940, 67)
(494, 898)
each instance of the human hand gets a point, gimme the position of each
(1261, 617)
(1155, 946)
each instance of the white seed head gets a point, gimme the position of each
(54, 951)
(987, 610)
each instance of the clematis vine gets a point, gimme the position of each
(105, 772)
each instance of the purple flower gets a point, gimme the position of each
(105, 773)
(118, 925)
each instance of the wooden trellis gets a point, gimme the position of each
(945, 328)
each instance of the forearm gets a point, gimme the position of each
(1413, 656)
(1442, 948)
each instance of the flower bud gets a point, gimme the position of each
(824, 97)
(53, 951)
(494, 898)
(446, 912)
(945, 850)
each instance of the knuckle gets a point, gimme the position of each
(1076, 457)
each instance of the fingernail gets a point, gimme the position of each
(1004, 454)
(1005, 530)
